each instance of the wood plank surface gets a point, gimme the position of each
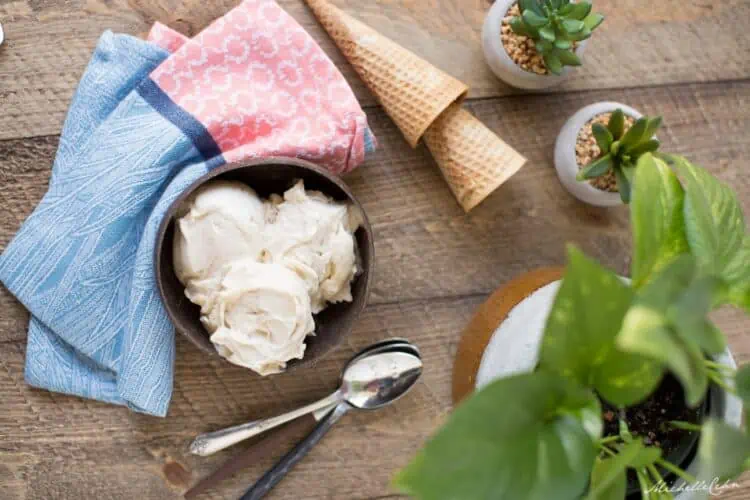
(48, 44)
(685, 59)
(435, 265)
(58, 447)
(425, 245)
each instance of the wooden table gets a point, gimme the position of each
(688, 60)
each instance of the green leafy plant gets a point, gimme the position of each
(538, 435)
(620, 149)
(556, 26)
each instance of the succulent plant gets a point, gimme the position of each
(620, 150)
(555, 26)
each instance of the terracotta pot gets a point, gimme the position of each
(500, 62)
(566, 163)
(514, 348)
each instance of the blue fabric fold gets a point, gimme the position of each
(82, 263)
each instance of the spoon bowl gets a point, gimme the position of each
(375, 380)
(395, 364)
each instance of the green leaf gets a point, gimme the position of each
(531, 5)
(547, 33)
(543, 47)
(714, 223)
(609, 476)
(656, 215)
(722, 451)
(647, 456)
(742, 382)
(578, 10)
(648, 330)
(593, 21)
(648, 146)
(520, 28)
(539, 447)
(652, 127)
(563, 44)
(596, 168)
(533, 19)
(581, 35)
(566, 9)
(568, 57)
(603, 136)
(634, 135)
(624, 185)
(579, 338)
(742, 386)
(737, 274)
(553, 63)
(689, 314)
(572, 25)
(616, 124)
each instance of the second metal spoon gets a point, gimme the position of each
(212, 442)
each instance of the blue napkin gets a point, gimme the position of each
(83, 263)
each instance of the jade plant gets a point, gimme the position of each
(556, 26)
(620, 149)
(538, 435)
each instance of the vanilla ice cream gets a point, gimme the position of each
(260, 269)
(262, 318)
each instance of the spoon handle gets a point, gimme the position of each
(210, 443)
(283, 466)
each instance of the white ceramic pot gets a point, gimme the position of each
(565, 154)
(500, 62)
(514, 348)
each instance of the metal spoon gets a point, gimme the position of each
(209, 443)
(393, 373)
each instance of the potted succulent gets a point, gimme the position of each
(628, 374)
(598, 148)
(531, 44)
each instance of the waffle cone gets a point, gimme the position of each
(472, 158)
(411, 90)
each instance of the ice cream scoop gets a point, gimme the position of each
(259, 316)
(259, 269)
(220, 222)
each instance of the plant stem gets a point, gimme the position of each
(689, 478)
(718, 379)
(608, 439)
(687, 426)
(644, 484)
(655, 474)
(606, 449)
(719, 366)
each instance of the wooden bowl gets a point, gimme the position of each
(271, 175)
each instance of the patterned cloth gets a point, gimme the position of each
(148, 119)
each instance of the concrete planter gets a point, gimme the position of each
(500, 62)
(514, 348)
(565, 154)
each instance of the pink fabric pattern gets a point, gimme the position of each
(262, 87)
(166, 38)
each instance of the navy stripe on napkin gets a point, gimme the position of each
(192, 128)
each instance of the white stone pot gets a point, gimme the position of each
(565, 154)
(514, 348)
(500, 62)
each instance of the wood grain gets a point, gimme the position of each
(54, 446)
(424, 244)
(48, 44)
(685, 59)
